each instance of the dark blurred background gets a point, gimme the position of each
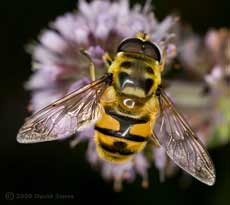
(50, 168)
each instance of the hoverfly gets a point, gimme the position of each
(128, 107)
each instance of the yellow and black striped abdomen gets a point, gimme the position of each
(119, 137)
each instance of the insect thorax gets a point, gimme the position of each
(135, 75)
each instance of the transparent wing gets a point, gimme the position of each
(65, 116)
(181, 143)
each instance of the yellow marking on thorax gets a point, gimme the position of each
(126, 70)
(134, 91)
(148, 75)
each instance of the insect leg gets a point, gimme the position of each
(154, 139)
(163, 61)
(107, 59)
(91, 65)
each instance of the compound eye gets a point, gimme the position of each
(150, 49)
(133, 45)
